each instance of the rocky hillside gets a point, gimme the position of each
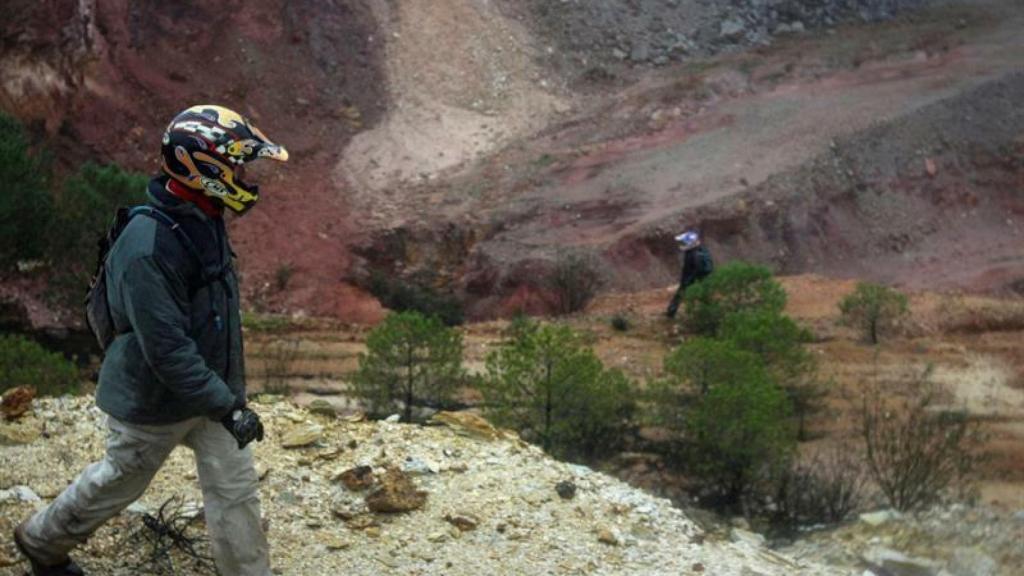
(344, 497)
(473, 141)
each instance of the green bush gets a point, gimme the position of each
(732, 420)
(25, 203)
(83, 211)
(547, 384)
(740, 434)
(269, 323)
(873, 308)
(734, 287)
(401, 296)
(699, 363)
(779, 342)
(26, 363)
(411, 360)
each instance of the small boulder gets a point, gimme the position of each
(608, 536)
(358, 478)
(17, 401)
(898, 564)
(464, 522)
(302, 435)
(566, 489)
(739, 535)
(15, 433)
(335, 542)
(879, 517)
(19, 494)
(972, 562)
(396, 493)
(467, 424)
(323, 408)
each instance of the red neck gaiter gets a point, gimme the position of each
(198, 198)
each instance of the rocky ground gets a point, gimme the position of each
(952, 540)
(460, 498)
(659, 32)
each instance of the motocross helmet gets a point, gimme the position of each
(206, 148)
(689, 239)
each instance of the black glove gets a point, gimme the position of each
(244, 425)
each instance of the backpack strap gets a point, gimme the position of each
(163, 218)
(207, 279)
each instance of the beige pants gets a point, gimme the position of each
(134, 454)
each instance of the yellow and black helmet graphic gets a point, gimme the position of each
(205, 148)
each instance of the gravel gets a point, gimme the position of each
(491, 504)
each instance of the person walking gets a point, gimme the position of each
(173, 372)
(697, 264)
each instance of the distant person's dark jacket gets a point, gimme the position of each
(691, 267)
(178, 354)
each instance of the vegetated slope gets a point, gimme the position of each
(490, 506)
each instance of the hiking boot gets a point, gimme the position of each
(66, 568)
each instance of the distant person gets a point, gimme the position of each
(173, 372)
(697, 265)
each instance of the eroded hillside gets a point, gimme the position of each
(470, 143)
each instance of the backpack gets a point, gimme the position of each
(705, 265)
(97, 307)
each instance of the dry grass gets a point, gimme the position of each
(975, 315)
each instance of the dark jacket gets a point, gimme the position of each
(179, 350)
(691, 267)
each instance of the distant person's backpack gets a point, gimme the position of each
(705, 264)
(97, 307)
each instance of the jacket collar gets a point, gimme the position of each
(160, 197)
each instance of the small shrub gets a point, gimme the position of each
(26, 203)
(411, 360)
(740, 434)
(574, 281)
(547, 384)
(401, 296)
(731, 420)
(283, 276)
(26, 363)
(824, 489)
(916, 453)
(278, 362)
(620, 323)
(874, 309)
(734, 287)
